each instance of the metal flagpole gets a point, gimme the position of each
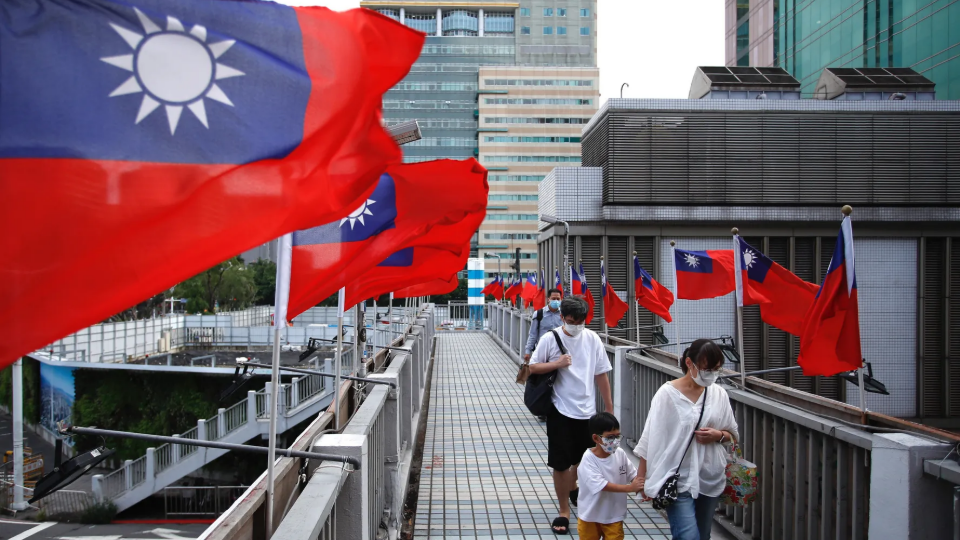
(738, 276)
(636, 304)
(603, 290)
(676, 303)
(338, 366)
(357, 327)
(847, 226)
(17, 383)
(281, 299)
(375, 326)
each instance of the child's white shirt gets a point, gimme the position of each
(595, 505)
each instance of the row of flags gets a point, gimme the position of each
(825, 317)
(133, 161)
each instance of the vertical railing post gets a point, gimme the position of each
(127, 473)
(251, 406)
(221, 423)
(175, 451)
(96, 486)
(151, 465)
(201, 430)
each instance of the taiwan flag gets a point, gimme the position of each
(579, 284)
(613, 307)
(784, 298)
(513, 290)
(408, 202)
(430, 288)
(830, 336)
(497, 290)
(557, 282)
(144, 141)
(653, 296)
(529, 288)
(410, 266)
(540, 298)
(490, 286)
(704, 274)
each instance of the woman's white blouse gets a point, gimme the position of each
(670, 424)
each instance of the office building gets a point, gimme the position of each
(779, 169)
(488, 72)
(804, 37)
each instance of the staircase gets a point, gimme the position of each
(303, 398)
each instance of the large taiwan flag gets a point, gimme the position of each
(613, 307)
(704, 274)
(830, 337)
(409, 202)
(429, 288)
(143, 141)
(784, 298)
(650, 294)
(408, 267)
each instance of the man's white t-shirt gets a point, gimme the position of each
(574, 392)
(595, 505)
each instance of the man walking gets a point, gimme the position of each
(544, 320)
(580, 372)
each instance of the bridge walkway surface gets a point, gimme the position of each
(485, 473)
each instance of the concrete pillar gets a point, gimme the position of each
(393, 416)
(403, 16)
(904, 502)
(480, 23)
(175, 450)
(96, 484)
(151, 464)
(353, 504)
(221, 423)
(128, 474)
(439, 22)
(251, 406)
(17, 382)
(201, 430)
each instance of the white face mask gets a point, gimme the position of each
(574, 329)
(705, 378)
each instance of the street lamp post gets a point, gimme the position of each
(621, 89)
(566, 234)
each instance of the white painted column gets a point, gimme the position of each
(439, 22)
(403, 16)
(480, 23)
(17, 383)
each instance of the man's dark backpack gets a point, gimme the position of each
(538, 394)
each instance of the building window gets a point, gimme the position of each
(533, 101)
(518, 120)
(524, 12)
(538, 82)
(514, 178)
(512, 197)
(422, 22)
(497, 23)
(525, 30)
(533, 159)
(548, 12)
(514, 255)
(547, 30)
(584, 12)
(509, 236)
(561, 30)
(508, 139)
(584, 31)
(512, 217)
(561, 12)
(392, 13)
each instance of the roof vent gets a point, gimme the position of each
(873, 84)
(743, 83)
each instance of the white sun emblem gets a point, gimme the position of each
(691, 260)
(749, 258)
(357, 215)
(173, 68)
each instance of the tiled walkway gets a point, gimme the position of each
(484, 472)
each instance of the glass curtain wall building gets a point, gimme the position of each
(445, 93)
(806, 36)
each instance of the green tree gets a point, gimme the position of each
(265, 278)
(228, 285)
(457, 295)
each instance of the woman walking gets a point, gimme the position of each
(689, 423)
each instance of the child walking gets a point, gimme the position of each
(606, 476)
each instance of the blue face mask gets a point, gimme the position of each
(554, 305)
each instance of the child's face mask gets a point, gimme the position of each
(610, 444)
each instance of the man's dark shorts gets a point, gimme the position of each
(567, 440)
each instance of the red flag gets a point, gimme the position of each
(529, 288)
(408, 202)
(540, 298)
(830, 337)
(580, 288)
(114, 198)
(490, 287)
(784, 298)
(514, 290)
(430, 288)
(704, 274)
(558, 283)
(650, 294)
(613, 307)
(410, 266)
(497, 290)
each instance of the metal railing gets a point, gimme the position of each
(199, 501)
(461, 316)
(65, 502)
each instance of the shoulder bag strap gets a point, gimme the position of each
(539, 318)
(703, 408)
(563, 350)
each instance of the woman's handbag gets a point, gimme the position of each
(524, 373)
(668, 491)
(538, 395)
(741, 487)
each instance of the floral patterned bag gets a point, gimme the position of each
(741, 488)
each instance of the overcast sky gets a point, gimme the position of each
(653, 46)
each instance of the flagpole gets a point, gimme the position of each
(338, 366)
(737, 265)
(361, 341)
(636, 303)
(847, 211)
(603, 283)
(281, 302)
(676, 295)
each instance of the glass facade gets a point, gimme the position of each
(536, 101)
(561, 30)
(533, 159)
(521, 120)
(920, 34)
(496, 138)
(584, 31)
(537, 82)
(514, 178)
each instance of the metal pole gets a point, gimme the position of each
(18, 502)
(376, 327)
(863, 396)
(357, 346)
(337, 364)
(738, 276)
(274, 406)
(676, 303)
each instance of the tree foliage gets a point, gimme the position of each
(229, 285)
(265, 278)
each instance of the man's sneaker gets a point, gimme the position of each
(574, 495)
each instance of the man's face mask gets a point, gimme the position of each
(573, 329)
(554, 305)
